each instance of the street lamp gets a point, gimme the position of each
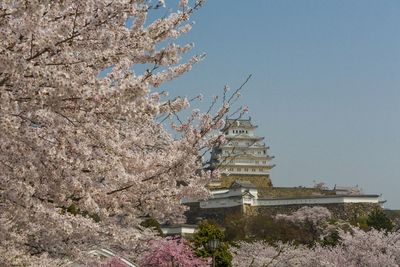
(213, 244)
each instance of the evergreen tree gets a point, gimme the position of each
(208, 231)
(379, 220)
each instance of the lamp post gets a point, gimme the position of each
(213, 244)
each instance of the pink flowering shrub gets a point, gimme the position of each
(171, 252)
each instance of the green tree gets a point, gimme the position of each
(208, 231)
(379, 220)
(235, 227)
(331, 240)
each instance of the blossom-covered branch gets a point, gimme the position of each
(82, 157)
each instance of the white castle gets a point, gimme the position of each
(244, 156)
(244, 164)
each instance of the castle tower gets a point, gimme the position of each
(244, 157)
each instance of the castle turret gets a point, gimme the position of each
(244, 156)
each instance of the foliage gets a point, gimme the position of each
(394, 216)
(304, 226)
(264, 227)
(171, 252)
(208, 231)
(236, 226)
(378, 220)
(73, 144)
(331, 236)
(360, 222)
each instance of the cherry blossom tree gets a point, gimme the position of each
(314, 215)
(83, 158)
(312, 218)
(357, 248)
(171, 252)
(354, 247)
(260, 254)
(113, 262)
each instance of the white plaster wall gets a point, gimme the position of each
(178, 230)
(222, 202)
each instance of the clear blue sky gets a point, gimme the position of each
(325, 88)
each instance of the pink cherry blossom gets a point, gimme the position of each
(171, 252)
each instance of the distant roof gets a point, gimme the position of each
(327, 196)
(346, 187)
(239, 123)
(243, 184)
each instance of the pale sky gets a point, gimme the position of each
(325, 88)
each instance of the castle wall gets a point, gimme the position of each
(344, 211)
(196, 214)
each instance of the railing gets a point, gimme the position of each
(246, 162)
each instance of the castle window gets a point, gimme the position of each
(238, 169)
(253, 170)
(246, 169)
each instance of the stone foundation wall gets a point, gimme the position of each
(196, 214)
(344, 211)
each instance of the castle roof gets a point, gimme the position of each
(244, 137)
(242, 184)
(242, 123)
